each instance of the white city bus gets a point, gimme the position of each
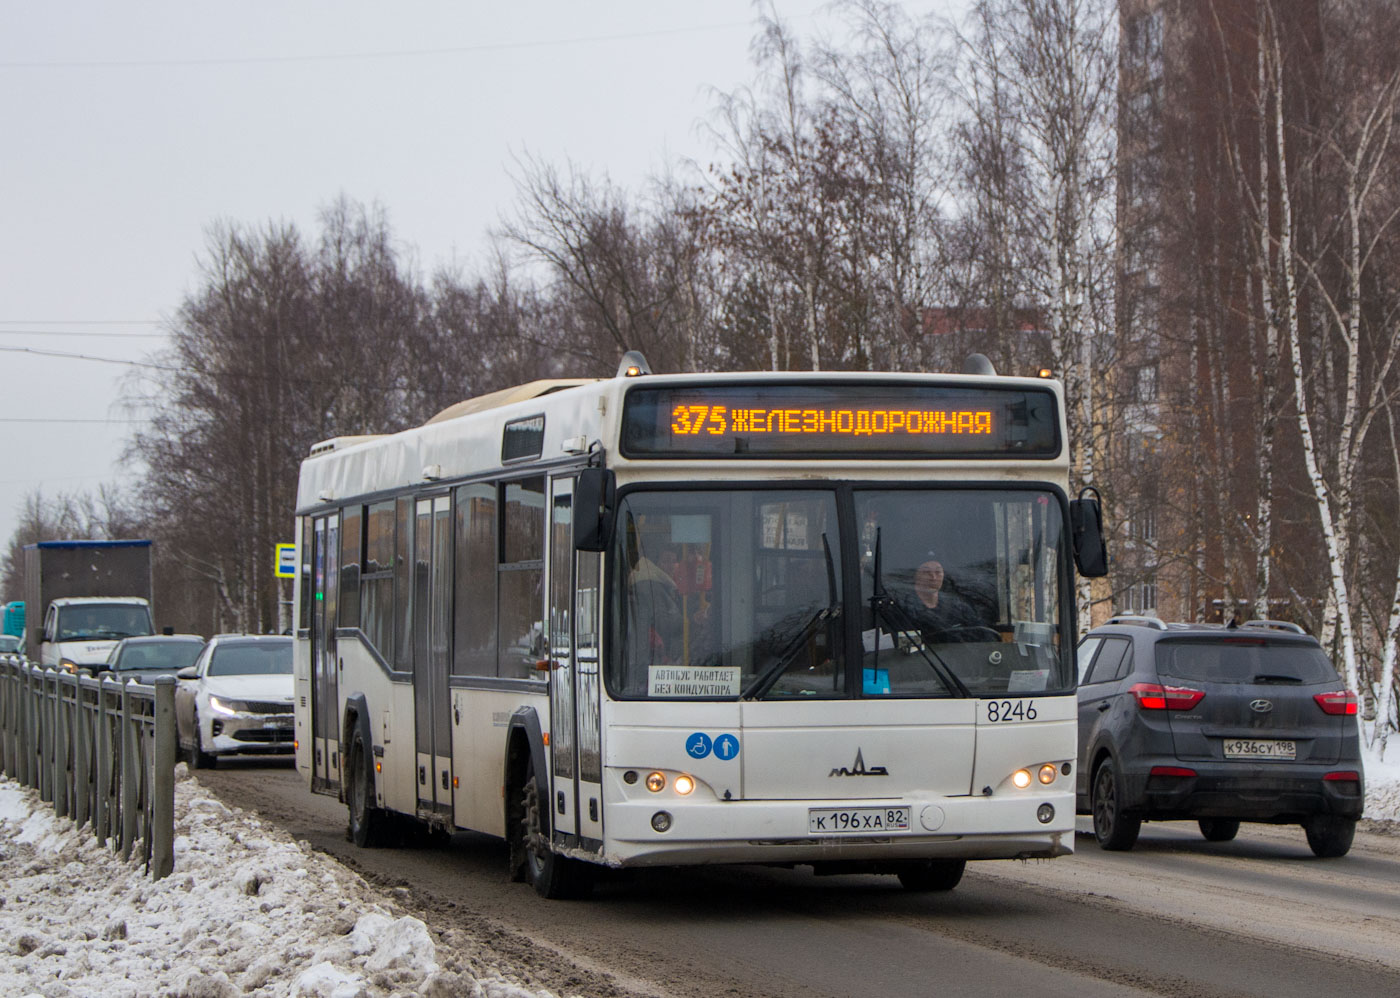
(782, 618)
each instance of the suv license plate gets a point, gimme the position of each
(1251, 748)
(857, 820)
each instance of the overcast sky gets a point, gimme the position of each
(126, 129)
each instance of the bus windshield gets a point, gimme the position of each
(741, 594)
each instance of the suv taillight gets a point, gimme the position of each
(1337, 702)
(1154, 696)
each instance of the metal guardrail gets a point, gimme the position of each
(101, 751)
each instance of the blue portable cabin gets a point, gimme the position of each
(13, 618)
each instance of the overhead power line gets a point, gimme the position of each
(361, 56)
(177, 369)
(64, 419)
(47, 478)
(73, 332)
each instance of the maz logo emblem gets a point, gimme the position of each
(859, 769)
(1261, 706)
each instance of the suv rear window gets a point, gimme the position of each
(1243, 660)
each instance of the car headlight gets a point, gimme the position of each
(67, 665)
(227, 707)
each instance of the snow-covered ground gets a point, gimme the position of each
(1383, 783)
(248, 911)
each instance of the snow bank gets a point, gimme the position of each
(247, 911)
(1382, 782)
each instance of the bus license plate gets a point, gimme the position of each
(857, 820)
(1254, 748)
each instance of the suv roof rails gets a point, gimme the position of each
(1275, 625)
(1140, 620)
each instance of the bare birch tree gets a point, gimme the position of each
(1042, 76)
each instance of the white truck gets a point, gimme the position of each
(93, 594)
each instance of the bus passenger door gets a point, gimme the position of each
(432, 602)
(588, 684)
(325, 588)
(575, 760)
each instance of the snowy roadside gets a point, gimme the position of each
(1383, 784)
(247, 911)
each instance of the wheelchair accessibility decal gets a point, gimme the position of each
(699, 745)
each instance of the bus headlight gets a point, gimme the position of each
(661, 821)
(1045, 813)
(683, 785)
(656, 782)
(1021, 778)
(1048, 773)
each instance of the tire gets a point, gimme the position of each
(368, 825)
(1219, 829)
(1114, 830)
(551, 875)
(1329, 836)
(933, 875)
(200, 759)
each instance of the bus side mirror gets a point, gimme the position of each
(1090, 545)
(594, 496)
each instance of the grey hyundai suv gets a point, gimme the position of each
(1220, 724)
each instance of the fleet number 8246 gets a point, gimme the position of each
(1010, 710)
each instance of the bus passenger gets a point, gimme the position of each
(655, 612)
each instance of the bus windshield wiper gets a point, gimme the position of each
(899, 623)
(764, 681)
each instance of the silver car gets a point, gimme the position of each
(236, 699)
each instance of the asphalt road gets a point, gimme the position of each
(1176, 916)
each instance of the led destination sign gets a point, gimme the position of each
(717, 420)
(851, 420)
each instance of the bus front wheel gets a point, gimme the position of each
(551, 875)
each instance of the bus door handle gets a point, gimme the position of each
(1103, 705)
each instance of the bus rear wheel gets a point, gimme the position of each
(933, 874)
(551, 875)
(368, 823)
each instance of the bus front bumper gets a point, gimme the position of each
(709, 831)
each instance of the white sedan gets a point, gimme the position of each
(236, 699)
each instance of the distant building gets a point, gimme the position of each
(1187, 484)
